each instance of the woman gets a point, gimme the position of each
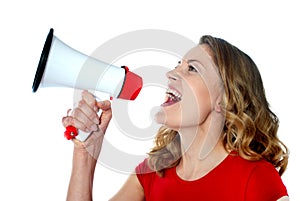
(218, 140)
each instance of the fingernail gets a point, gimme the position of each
(94, 127)
(96, 108)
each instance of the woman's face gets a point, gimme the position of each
(194, 91)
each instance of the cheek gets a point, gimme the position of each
(197, 104)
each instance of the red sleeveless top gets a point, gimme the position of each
(234, 179)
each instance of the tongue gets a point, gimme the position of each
(169, 101)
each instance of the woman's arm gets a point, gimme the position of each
(132, 190)
(81, 181)
(86, 153)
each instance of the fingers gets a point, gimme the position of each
(104, 105)
(85, 114)
(86, 111)
(85, 117)
(106, 114)
(67, 121)
(90, 100)
(84, 122)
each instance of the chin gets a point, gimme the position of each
(160, 117)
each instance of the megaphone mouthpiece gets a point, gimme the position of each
(131, 87)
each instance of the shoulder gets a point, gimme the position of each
(252, 168)
(144, 173)
(258, 180)
(143, 167)
(264, 172)
(264, 182)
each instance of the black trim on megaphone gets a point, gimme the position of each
(43, 61)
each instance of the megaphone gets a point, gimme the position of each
(62, 66)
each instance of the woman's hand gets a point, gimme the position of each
(84, 117)
(85, 155)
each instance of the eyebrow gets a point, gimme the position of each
(195, 60)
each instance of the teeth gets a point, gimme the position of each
(173, 94)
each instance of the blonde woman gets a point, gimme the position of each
(218, 139)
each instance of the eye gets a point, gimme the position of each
(178, 64)
(192, 68)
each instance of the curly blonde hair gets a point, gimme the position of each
(250, 126)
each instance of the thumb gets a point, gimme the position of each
(104, 105)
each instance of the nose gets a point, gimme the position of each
(172, 75)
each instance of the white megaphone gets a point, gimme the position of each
(62, 66)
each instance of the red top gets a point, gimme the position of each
(234, 179)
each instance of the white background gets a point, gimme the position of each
(35, 159)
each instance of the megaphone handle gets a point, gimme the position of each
(82, 136)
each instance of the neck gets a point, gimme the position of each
(202, 149)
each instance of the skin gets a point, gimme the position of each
(201, 88)
(197, 80)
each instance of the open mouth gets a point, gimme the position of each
(172, 97)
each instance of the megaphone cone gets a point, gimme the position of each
(62, 66)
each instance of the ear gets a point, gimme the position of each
(218, 105)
